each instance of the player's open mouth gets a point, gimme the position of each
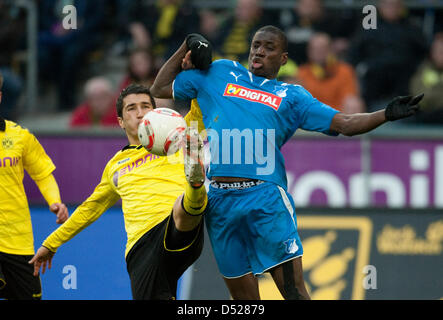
(257, 63)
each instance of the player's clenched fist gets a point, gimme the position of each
(201, 50)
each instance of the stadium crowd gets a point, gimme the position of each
(330, 53)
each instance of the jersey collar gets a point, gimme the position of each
(131, 146)
(2, 124)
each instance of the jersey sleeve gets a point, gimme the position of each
(313, 115)
(103, 197)
(186, 84)
(35, 160)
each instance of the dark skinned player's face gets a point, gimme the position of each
(266, 55)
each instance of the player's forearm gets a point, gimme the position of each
(357, 123)
(49, 189)
(162, 87)
(85, 214)
(64, 233)
(90, 210)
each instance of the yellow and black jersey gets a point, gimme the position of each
(147, 184)
(19, 151)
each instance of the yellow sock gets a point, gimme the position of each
(195, 200)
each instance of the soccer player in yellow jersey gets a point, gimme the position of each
(163, 201)
(19, 151)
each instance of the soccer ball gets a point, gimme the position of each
(161, 131)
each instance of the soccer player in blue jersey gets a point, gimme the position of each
(248, 116)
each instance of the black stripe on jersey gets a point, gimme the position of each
(131, 147)
(2, 124)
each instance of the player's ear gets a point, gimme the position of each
(121, 123)
(284, 58)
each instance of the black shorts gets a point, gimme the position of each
(17, 281)
(154, 268)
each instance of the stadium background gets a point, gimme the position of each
(374, 200)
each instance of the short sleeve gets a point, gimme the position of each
(313, 114)
(186, 84)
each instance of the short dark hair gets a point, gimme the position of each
(278, 32)
(133, 88)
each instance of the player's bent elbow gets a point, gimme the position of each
(343, 124)
(155, 91)
(161, 92)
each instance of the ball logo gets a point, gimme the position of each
(151, 142)
(173, 141)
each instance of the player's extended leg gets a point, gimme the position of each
(244, 287)
(289, 280)
(189, 207)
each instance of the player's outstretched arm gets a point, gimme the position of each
(358, 123)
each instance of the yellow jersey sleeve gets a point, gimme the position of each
(103, 197)
(35, 160)
(49, 189)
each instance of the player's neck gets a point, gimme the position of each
(133, 140)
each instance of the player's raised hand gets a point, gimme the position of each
(201, 50)
(61, 212)
(402, 107)
(43, 258)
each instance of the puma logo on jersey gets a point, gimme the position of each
(235, 76)
(202, 44)
(266, 98)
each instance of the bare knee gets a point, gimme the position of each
(243, 288)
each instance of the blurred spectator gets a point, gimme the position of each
(387, 57)
(12, 22)
(209, 25)
(308, 17)
(328, 79)
(99, 106)
(62, 52)
(237, 30)
(429, 80)
(162, 26)
(141, 69)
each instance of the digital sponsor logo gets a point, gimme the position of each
(268, 99)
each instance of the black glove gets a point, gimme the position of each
(402, 107)
(201, 50)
